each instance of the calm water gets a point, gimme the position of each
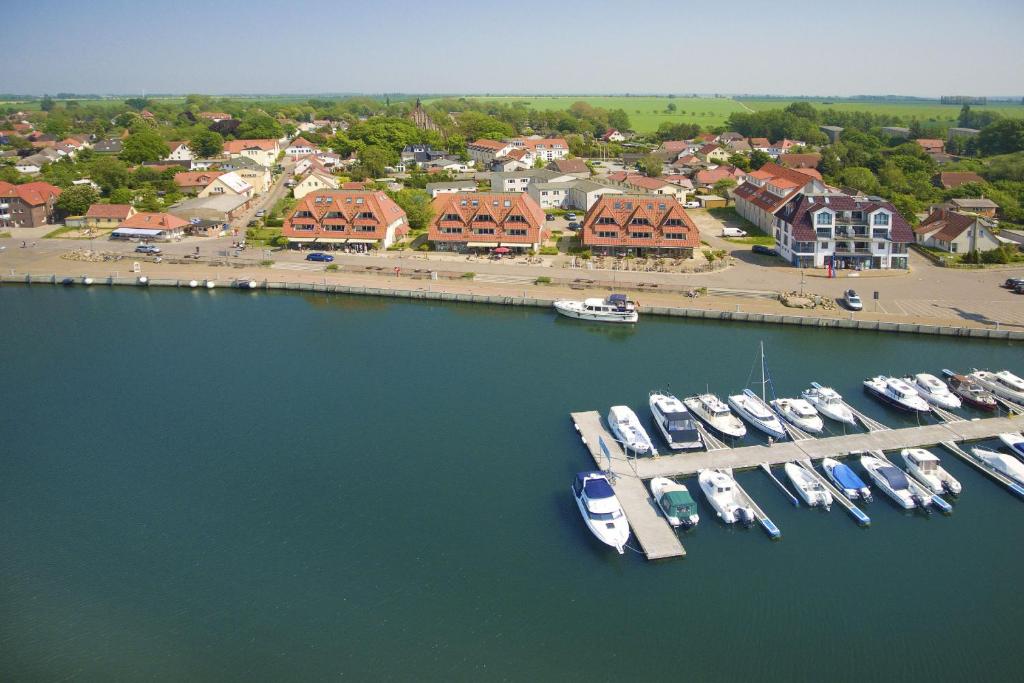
(228, 486)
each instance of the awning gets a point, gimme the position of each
(481, 244)
(302, 239)
(332, 240)
(517, 244)
(141, 232)
(362, 241)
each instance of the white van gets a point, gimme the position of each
(733, 232)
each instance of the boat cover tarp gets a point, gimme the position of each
(680, 501)
(595, 488)
(896, 478)
(846, 477)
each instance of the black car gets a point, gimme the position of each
(1019, 289)
(574, 226)
(1014, 282)
(761, 249)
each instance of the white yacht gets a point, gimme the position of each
(925, 466)
(1006, 465)
(716, 414)
(846, 480)
(720, 490)
(829, 403)
(808, 486)
(601, 509)
(800, 413)
(1003, 383)
(892, 480)
(675, 422)
(626, 427)
(617, 308)
(896, 393)
(754, 410)
(1015, 442)
(675, 502)
(935, 391)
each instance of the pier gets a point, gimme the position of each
(767, 524)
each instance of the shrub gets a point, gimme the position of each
(266, 263)
(274, 222)
(332, 266)
(468, 276)
(424, 247)
(585, 254)
(279, 241)
(542, 280)
(549, 251)
(708, 254)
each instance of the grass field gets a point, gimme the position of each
(924, 111)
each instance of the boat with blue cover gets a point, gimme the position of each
(601, 509)
(846, 480)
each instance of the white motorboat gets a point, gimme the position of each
(800, 413)
(896, 393)
(925, 466)
(675, 422)
(617, 308)
(935, 391)
(675, 502)
(1013, 441)
(808, 486)
(601, 509)
(1001, 462)
(754, 410)
(1003, 383)
(626, 427)
(716, 414)
(829, 403)
(846, 480)
(720, 490)
(892, 480)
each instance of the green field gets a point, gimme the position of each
(924, 111)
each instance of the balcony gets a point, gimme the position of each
(843, 250)
(852, 232)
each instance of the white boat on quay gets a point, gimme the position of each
(799, 413)
(925, 466)
(720, 490)
(829, 403)
(808, 486)
(716, 414)
(1003, 383)
(934, 390)
(626, 427)
(894, 482)
(617, 308)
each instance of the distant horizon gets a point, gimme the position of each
(437, 95)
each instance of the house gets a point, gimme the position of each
(982, 207)
(147, 115)
(672, 149)
(300, 147)
(307, 164)
(217, 208)
(547, 149)
(762, 193)
(111, 146)
(486, 220)
(451, 187)
(519, 159)
(953, 133)
(740, 146)
(161, 227)
(833, 133)
(784, 146)
(686, 161)
(612, 135)
(333, 218)
(192, 182)
(102, 216)
(214, 116)
(228, 183)
(31, 165)
(575, 194)
(801, 161)
(87, 182)
(314, 181)
(421, 154)
(956, 232)
(760, 144)
(730, 136)
(180, 151)
(948, 180)
(263, 152)
(484, 151)
(931, 145)
(839, 231)
(896, 132)
(706, 178)
(713, 154)
(259, 178)
(642, 225)
(449, 164)
(680, 180)
(640, 183)
(518, 181)
(28, 205)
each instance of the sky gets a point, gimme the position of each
(783, 47)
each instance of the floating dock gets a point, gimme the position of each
(782, 487)
(767, 524)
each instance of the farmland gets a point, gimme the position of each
(927, 110)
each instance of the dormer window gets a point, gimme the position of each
(881, 219)
(451, 217)
(824, 218)
(482, 218)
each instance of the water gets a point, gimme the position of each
(235, 486)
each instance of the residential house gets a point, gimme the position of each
(574, 167)
(956, 232)
(641, 183)
(760, 144)
(679, 179)
(507, 165)
(307, 164)
(180, 151)
(931, 145)
(214, 116)
(160, 227)
(982, 206)
(801, 160)
(833, 133)
(711, 153)
(762, 193)
(111, 146)
(547, 149)
(518, 181)
(896, 132)
(448, 164)
(259, 178)
(730, 136)
(643, 225)
(107, 216)
(421, 154)
(740, 146)
(834, 230)
(192, 182)
(300, 147)
(486, 220)
(32, 164)
(451, 187)
(574, 194)
(484, 151)
(87, 182)
(315, 181)
(707, 178)
(672, 149)
(218, 209)
(612, 135)
(686, 161)
(228, 183)
(784, 146)
(28, 205)
(332, 218)
(948, 180)
(264, 152)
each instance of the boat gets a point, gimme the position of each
(799, 413)
(210, 284)
(925, 466)
(675, 422)
(716, 414)
(720, 490)
(1006, 465)
(970, 392)
(1013, 441)
(846, 480)
(892, 480)
(829, 403)
(896, 393)
(617, 308)
(601, 509)
(675, 502)
(86, 280)
(627, 429)
(934, 390)
(808, 486)
(754, 410)
(1003, 383)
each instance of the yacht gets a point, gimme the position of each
(896, 393)
(808, 486)
(600, 509)
(892, 480)
(1003, 383)
(800, 413)
(846, 480)
(970, 392)
(754, 410)
(934, 390)
(617, 308)
(720, 490)
(627, 429)
(1006, 465)
(675, 502)
(675, 422)
(925, 466)
(829, 403)
(712, 410)
(1013, 441)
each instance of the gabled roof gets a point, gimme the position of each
(236, 146)
(760, 142)
(195, 178)
(951, 179)
(624, 209)
(234, 182)
(348, 205)
(302, 142)
(799, 214)
(484, 143)
(712, 176)
(570, 166)
(708, 148)
(945, 225)
(33, 194)
(770, 175)
(675, 146)
(117, 211)
(801, 161)
(153, 221)
(460, 210)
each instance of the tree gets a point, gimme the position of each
(148, 201)
(475, 125)
(144, 144)
(76, 200)
(671, 107)
(206, 144)
(1002, 137)
(122, 195)
(740, 161)
(374, 159)
(618, 119)
(723, 187)
(109, 173)
(860, 178)
(759, 158)
(46, 104)
(259, 125)
(417, 207)
(650, 165)
(137, 103)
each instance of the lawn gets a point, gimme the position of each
(929, 110)
(729, 217)
(262, 237)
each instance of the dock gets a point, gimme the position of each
(767, 524)
(937, 500)
(657, 538)
(970, 459)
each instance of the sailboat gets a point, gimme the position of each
(755, 409)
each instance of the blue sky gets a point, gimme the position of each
(658, 46)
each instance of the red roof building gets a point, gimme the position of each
(764, 191)
(486, 220)
(108, 215)
(951, 179)
(932, 146)
(640, 224)
(27, 205)
(195, 181)
(336, 218)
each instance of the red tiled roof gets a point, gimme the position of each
(675, 146)
(544, 143)
(625, 209)
(353, 185)
(687, 159)
(236, 146)
(499, 206)
(644, 182)
(708, 148)
(760, 142)
(301, 142)
(951, 179)
(196, 178)
(213, 115)
(800, 215)
(518, 153)
(801, 161)
(931, 144)
(945, 224)
(484, 143)
(342, 209)
(118, 211)
(761, 197)
(570, 166)
(33, 194)
(153, 221)
(712, 176)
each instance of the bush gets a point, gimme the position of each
(424, 247)
(549, 251)
(585, 254)
(542, 280)
(332, 266)
(708, 254)
(266, 262)
(274, 222)
(279, 241)
(468, 276)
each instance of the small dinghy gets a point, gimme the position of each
(846, 480)
(808, 486)
(675, 502)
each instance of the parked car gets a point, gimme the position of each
(852, 301)
(575, 226)
(147, 249)
(1013, 282)
(319, 256)
(733, 232)
(570, 216)
(691, 205)
(1019, 289)
(762, 249)
(549, 217)
(261, 213)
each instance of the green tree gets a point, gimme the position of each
(46, 104)
(619, 120)
(137, 103)
(206, 144)
(109, 173)
(475, 125)
(650, 165)
(860, 178)
(740, 161)
(671, 108)
(122, 195)
(723, 187)
(144, 144)
(148, 201)
(417, 207)
(1002, 137)
(259, 125)
(374, 159)
(76, 200)
(759, 158)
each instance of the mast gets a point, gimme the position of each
(763, 381)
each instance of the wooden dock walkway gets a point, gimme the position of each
(656, 536)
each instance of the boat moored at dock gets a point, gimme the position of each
(754, 410)
(675, 502)
(846, 480)
(601, 509)
(925, 467)
(896, 393)
(1013, 441)
(934, 390)
(617, 308)
(1007, 465)
(676, 424)
(713, 411)
(800, 413)
(626, 427)
(720, 490)
(970, 391)
(1003, 383)
(892, 480)
(829, 403)
(808, 486)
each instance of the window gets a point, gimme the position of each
(335, 228)
(641, 235)
(516, 232)
(879, 233)
(674, 236)
(674, 221)
(880, 246)
(824, 232)
(639, 221)
(952, 247)
(607, 233)
(366, 215)
(484, 231)
(606, 220)
(451, 231)
(515, 218)
(451, 217)
(824, 218)
(823, 245)
(881, 219)
(482, 218)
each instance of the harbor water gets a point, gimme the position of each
(217, 485)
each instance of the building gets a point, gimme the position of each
(760, 144)
(953, 133)
(708, 177)
(518, 181)
(451, 187)
(833, 133)
(336, 218)
(230, 184)
(179, 151)
(421, 154)
(575, 194)
(713, 154)
(111, 146)
(712, 201)
(573, 167)
(931, 145)
(547, 149)
(216, 208)
(421, 118)
(949, 180)
(160, 227)
(315, 181)
(896, 132)
(259, 178)
(956, 232)
(214, 116)
(32, 164)
(300, 147)
(763, 192)
(643, 225)
(640, 183)
(982, 207)
(28, 205)
(484, 151)
(801, 160)
(192, 182)
(263, 152)
(107, 216)
(784, 146)
(486, 220)
(446, 164)
(842, 232)
(612, 135)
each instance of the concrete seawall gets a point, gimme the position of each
(434, 295)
